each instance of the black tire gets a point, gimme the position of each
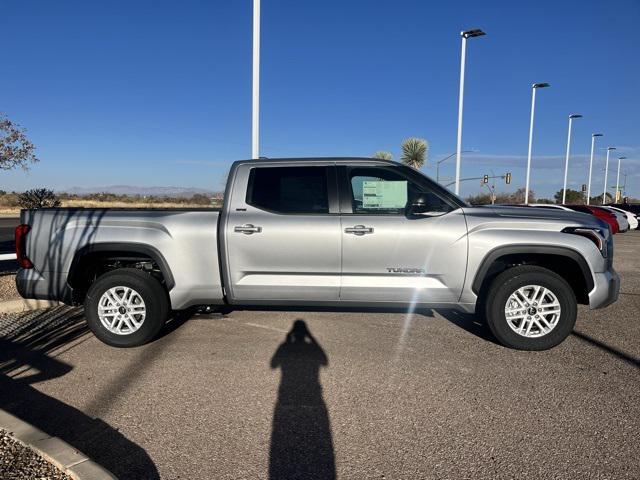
(153, 295)
(507, 283)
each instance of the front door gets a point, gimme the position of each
(283, 238)
(389, 256)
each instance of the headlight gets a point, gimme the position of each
(593, 234)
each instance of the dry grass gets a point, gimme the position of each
(115, 204)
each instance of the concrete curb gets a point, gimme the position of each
(24, 305)
(72, 462)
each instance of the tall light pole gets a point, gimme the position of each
(593, 144)
(606, 172)
(534, 87)
(566, 160)
(255, 103)
(618, 179)
(465, 35)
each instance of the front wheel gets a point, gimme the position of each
(126, 307)
(530, 308)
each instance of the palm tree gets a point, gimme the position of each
(414, 152)
(383, 155)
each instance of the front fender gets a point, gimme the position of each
(487, 245)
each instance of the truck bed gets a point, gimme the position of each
(183, 240)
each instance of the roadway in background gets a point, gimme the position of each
(7, 245)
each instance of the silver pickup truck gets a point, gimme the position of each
(336, 232)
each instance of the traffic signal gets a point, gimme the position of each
(507, 178)
(485, 179)
(584, 187)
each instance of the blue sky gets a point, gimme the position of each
(158, 93)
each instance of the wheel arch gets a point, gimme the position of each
(127, 248)
(564, 261)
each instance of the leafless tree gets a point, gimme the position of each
(16, 150)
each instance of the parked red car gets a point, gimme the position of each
(601, 213)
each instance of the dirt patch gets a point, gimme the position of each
(8, 288)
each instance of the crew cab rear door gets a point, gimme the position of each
(282, 233)
(390, 256)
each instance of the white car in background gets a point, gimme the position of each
(550, 205)
(621, 218)
(631, 218)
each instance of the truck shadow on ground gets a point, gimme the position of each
(474, 325)
(27, 356)
(469, 322)
(616, 352)
(301, 440)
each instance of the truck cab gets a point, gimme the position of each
(349, 231)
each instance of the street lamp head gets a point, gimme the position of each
(611, 148)
(541, 85)
(476, 32)
(575, 115)
(622, 158)
(596, 135)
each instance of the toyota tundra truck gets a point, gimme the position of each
(337, 232)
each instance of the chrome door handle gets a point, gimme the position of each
(359, 230)
(247, 229)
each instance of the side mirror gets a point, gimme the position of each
(417, 206)
(426, 204)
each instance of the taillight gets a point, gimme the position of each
(21, 240)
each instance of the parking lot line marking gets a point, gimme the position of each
(257, 325)
(266, 327)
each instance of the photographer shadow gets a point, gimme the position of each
(301, 440)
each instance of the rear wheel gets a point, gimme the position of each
(126, 307)
(530, 308)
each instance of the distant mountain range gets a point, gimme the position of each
(175, 192)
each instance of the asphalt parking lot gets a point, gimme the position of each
(373, 395)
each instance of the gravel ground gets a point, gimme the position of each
(8, 288)
(17, 462)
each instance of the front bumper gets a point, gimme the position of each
(606, 289)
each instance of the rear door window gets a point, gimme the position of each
(293, 190)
